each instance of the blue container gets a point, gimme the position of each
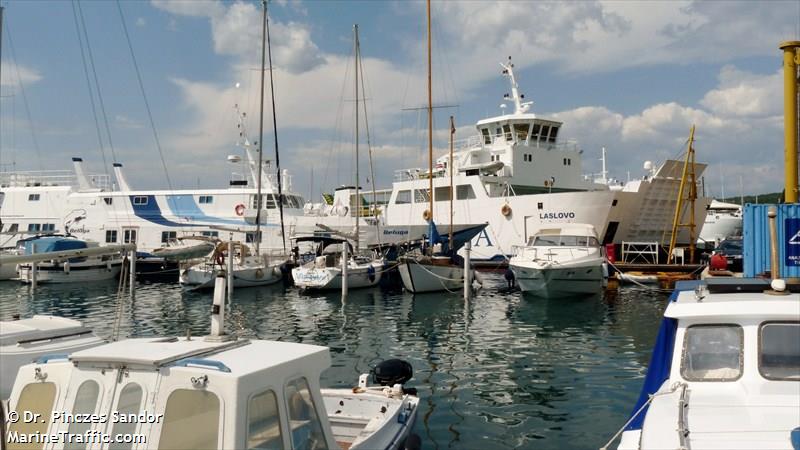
(755, 228)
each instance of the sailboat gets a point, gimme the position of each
(334, 257)
(248, 270)
(437, 266)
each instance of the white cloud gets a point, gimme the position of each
(744, 94)
(141, 22)
(12, 75)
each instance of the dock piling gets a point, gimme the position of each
(229, 271)
(344, 270)
(132, 275)
(467, 271)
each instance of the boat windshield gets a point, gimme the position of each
(562, 241)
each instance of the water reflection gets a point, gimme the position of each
(498, 371)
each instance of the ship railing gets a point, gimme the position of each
(481, 142)
(50, 178)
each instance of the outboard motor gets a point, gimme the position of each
(391, 372)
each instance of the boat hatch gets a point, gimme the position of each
(40, 328)
(152, 353)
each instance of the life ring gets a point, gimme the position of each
(505, 210)
(239, 210)
(426, 215)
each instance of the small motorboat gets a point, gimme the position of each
(26, 340)
(725, 369)
(187, 247)
(215, 392)
(560, 262)
(67, 270)
(248, 270)
(324, 272)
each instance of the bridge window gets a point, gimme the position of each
(129, 236)
(403, 198)
(206, 199)
(33, 197)
(421, 195)
(166, 236)
(263, 422)
(199, 408)
(108, 200)
(535, 132)
(507, 132)
(111, 236)
(553, 134)
(306, 426)
(140, 200)
(210, 233)
(48, 227)
(34, 227)
(464, 192)
(778, 352)
(521, 130)
(487, 139)
(13, 228)
(712, 353)
(545, 132)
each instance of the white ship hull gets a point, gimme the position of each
(561, 282)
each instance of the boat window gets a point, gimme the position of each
(140, 200)
(521, 130)
(421, 195)
(129, 236)
(36, 398)
(250, 237)
(210, 233)
(553, 134)
(166, 236)
(108, 200)
(48, 227)
(85, 403)
(778, 352)
(111, 236)
(712, 353)
(546, 241)
(191, 420)
(205, 199)
(263, 422)
(593, 242)
(545, 132)
(403, 198)
(535, 132)
(34, 227)
(13, 228)
(306, 428)
(441, 193)
(33, 197)
(487, 139)
(464, 192)
(507, 132)
(130, 401)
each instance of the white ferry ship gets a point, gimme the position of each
(517, 176)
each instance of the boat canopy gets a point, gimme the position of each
(53, 244)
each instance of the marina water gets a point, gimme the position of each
(503, 370)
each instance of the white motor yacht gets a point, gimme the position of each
(26, 340)
(723, 220)
(560, 261)
(248, 270)
(66, 270)
(725, 370)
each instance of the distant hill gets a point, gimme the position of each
(774, 197)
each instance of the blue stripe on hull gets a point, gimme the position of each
(185, 207)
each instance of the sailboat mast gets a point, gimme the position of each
(259, 202)
(450, 164)
(430, 118)
(358, 194)
(274, 125)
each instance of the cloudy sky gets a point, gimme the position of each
(629, 76)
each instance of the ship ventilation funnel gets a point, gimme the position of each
(123, 184)
(83, 182)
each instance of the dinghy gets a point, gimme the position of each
(72, 270)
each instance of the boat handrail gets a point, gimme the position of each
(35, 178)
(478, 141)
(186, 362)
(683, 430)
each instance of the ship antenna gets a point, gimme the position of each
(520, 107)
